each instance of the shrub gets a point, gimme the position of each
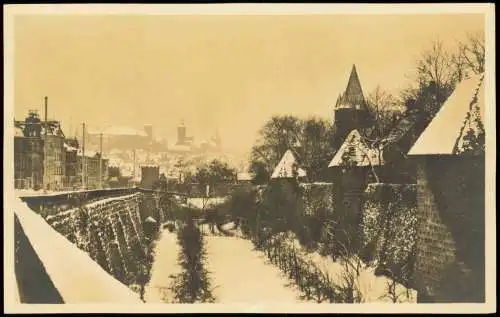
(193, 284)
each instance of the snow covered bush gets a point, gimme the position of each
(313, 283)
(317, 198)
(192, 285)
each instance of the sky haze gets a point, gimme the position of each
(225, 72)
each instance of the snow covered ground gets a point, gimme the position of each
(238, 273)
(241, 274)
(165, 265)
(373, 288)
(209, 202)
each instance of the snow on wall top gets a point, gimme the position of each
(357, 151)
(76, 276)
(286, 166)
(444, 131)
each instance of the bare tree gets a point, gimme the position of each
(435, 65)
(435, 78)
(385, 109)
(472, 52)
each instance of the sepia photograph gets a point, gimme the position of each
(249, 158)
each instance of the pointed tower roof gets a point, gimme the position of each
(353, 96)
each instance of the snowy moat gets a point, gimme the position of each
(241, 274)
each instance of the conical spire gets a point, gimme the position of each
(353, 95)
(353, 89)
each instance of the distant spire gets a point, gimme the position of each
(353, 95)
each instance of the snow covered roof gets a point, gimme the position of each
(120, 130)
(89, 153)
(444, 134)
(18, 132)
(286, 167)
(70, 148)
(356, 150)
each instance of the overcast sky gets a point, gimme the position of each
(229, 72)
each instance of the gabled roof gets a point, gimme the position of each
(402, 128)
(355, 150)
(287, 166)
(353, 97)
(445, 133)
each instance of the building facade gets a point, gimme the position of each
(72, 179)
(28, 153)
(54, 162)
(92, 160)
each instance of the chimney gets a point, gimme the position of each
(46, 98)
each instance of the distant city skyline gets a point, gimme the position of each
(229, 73)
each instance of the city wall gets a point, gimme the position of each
(382, 231)
(112, 231)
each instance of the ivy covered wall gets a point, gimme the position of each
(111, 231)
(389, 227)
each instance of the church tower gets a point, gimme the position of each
(350, 111)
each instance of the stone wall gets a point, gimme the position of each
(450, 244)
(110, 231)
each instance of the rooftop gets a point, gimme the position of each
(353, 97)
(355, 150)
(458, 115)
(120, 130)
(287, 167)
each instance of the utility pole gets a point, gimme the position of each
(46, 169)
(84, 163)
(100, 162)
(46, 116)
(133, 173)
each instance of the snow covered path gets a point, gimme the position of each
(165, 265)
(241, 275)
